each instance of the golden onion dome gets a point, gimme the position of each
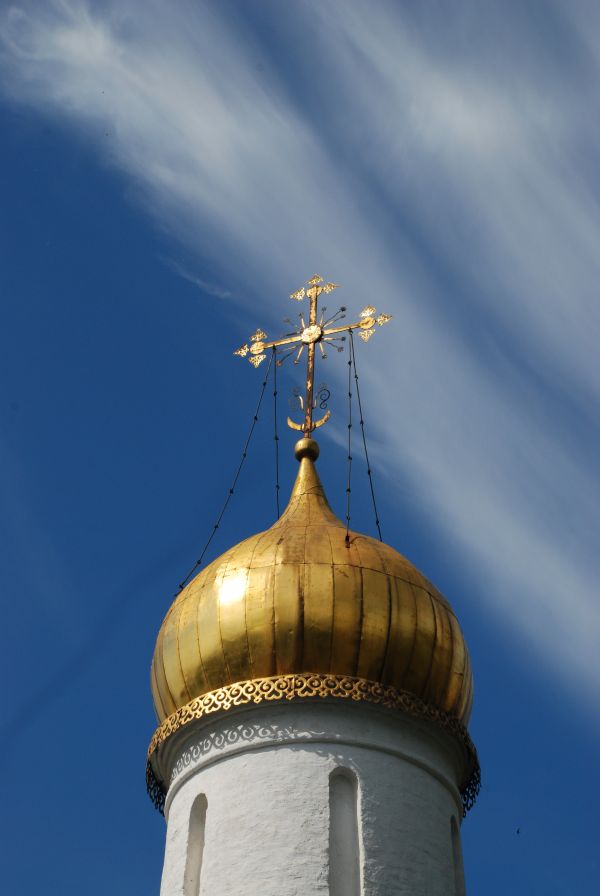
(302, 600)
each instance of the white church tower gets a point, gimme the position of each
(312, 689)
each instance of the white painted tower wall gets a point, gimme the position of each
(312, 797)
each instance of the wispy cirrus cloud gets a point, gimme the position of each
(447, 169)
(211, 289)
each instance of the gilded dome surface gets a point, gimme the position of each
(300, 598)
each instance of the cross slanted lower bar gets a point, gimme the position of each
(315, 332)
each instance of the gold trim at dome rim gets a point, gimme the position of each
(294, 687)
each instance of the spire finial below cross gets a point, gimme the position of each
(309, 334)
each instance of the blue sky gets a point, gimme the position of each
(170, 173)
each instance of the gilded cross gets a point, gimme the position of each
(316, 331)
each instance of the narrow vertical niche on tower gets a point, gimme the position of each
(344, 845)
(195, 847)
(459, 871)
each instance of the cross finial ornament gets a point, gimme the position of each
(317, 331)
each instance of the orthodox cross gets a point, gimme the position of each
(309, 334)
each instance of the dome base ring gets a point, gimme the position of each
(311, 685)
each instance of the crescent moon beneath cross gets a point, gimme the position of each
(315, 423)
